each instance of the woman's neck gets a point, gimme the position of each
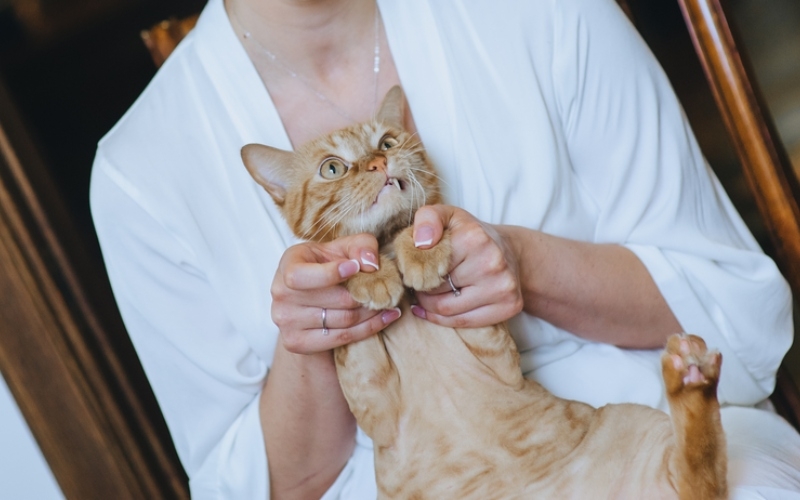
(311, 36)
(317, 60)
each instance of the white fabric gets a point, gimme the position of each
(550, 114)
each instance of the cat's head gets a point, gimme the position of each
(369, 178)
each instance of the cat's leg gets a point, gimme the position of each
(422, 269)
(691, 374)
(495, 348)
(371, 385)
(381, 289)
(367, 376)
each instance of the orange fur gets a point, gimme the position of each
(448, 409)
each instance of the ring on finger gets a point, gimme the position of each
(325, 330)
(456, 291)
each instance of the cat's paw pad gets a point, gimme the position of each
(379, 290)
(688, 364)
(422, 269)
(421, 275)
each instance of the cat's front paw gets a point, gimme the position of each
(422, 270)
(378, 290)
(688, 365)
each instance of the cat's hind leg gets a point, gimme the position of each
(371, 386)
(368, 378)
(691, 374)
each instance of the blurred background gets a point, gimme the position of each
(69, 69)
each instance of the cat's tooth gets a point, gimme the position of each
(396, 183)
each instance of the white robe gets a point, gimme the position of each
(550, 114)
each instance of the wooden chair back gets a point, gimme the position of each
(765, 163)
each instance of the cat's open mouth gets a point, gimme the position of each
(392, 183)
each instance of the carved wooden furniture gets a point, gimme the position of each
(765, 164)
(63, 351)
(162, 38)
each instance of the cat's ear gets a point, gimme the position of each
(269, 167)
(393, 108)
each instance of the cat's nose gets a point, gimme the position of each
(377, 163)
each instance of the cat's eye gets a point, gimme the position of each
(332, 168)
(388, 142)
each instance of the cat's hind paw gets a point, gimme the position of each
(688, 365)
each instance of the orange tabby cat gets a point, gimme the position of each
(449, 411)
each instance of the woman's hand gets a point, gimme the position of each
(602, 292)
(309, 441)
(483, 266)
(308, 281)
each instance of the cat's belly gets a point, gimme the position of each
(463, 431)
(611, 461)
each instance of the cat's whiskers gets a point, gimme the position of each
(406, 155)
(349, 210)
(342, 215)
(428, 172)
(361, 218)
(414, 184)
(408, 144)
(331, 227)
(411, 149)
(330, 224)
(307, 232)
(408, 138)
(313, 236)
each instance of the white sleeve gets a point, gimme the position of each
(635, 155)
(205, 375)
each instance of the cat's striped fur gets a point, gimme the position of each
(448, 410)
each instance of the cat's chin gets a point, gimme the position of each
(387, 190)
(382, 219)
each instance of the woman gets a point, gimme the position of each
(587, 216)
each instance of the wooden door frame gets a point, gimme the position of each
(63, 350)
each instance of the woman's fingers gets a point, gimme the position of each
(314, 275)
(308, 272)
(342, 327)
(309, 266)
(331, 297)
(308, 282)
(429, 224)
(308, 318)
(479, 317)
(474, 318)
(479, 281)
(483, 269)
(478, 305)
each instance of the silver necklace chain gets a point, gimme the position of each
(376, 69)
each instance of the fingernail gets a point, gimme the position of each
(419, 312)
(423, 236)
(368, 259)
(349, 268)
(390, 315)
